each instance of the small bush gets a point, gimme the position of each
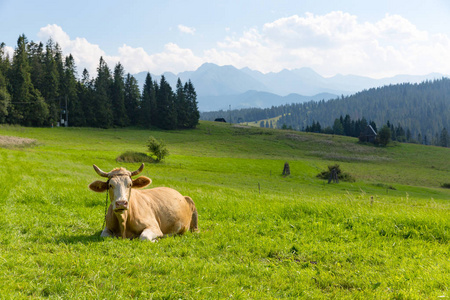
(157, 149)
(382, 185)
(445, 185)
(341, 175)
(134, 157)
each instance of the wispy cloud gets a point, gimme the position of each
(185, 29)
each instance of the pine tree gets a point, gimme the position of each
(5, 98)
(181, 106)
(29, 107)
(86, 98)
(36, 59)
(338, 129)
(347, 126)
(148, 109)
(192, 105)
(102, 96)
(69, 91)
(132, 99)
(51, 86)
(384, 136)
(118, 97)
(165, 106)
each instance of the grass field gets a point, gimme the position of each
(257, 123)
(262, 236)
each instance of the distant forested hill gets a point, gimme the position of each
(422, 108)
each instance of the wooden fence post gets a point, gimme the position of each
(286, 169)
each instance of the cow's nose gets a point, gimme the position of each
(121, 203)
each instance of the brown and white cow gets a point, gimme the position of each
(147, 214)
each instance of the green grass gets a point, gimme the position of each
(261, 236)
(258, 123)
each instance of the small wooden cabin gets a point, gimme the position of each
(368, 135)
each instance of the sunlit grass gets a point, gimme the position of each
(261, 235)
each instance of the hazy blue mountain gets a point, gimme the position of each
(218, 87)
(255, 99)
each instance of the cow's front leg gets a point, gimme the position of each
(106, 233)
(150, 234)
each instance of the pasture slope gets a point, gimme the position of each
(385, 236)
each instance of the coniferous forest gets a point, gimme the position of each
(40, 87)
(417, 113)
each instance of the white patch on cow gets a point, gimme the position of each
(120, 190)
(106, 233)
(149, 235)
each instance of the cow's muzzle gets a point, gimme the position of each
(121, 205)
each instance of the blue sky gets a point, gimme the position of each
(370, 38)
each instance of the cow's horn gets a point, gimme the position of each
(100, 172)
(138, 170)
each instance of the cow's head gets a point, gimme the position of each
(119, 185)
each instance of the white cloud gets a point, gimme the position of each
(9, 51)
(85, 54)
(337, 43)
(173, 59)
(185, 29)
(333, 43)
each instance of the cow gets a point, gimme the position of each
(148, 214)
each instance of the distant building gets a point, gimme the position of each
(368, 135)
(220, 120)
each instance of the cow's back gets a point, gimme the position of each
(165, 205)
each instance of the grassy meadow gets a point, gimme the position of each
(262, 235)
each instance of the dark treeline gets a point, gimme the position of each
(38, 83)
(415, 112)
(348, 127)
(343, 126)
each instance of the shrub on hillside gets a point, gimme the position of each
(134, 157)
(157, 149)
(445, 185)
(340, 174)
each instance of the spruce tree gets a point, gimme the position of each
(181, 106)
(148, 103)
(192, 105)
(165, 106)
(51, 87)
(85, 93)
(132, 99)
(102, 96)
(36, 59)
(69, 91)
(118, 97)
(5, 97)
(338, 129)
(29, 107)
(384, 136)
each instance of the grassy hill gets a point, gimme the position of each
(257, 123)
(262, 235)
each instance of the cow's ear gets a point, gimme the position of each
(141, 182)
(98, 186)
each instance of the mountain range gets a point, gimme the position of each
(222, 87)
